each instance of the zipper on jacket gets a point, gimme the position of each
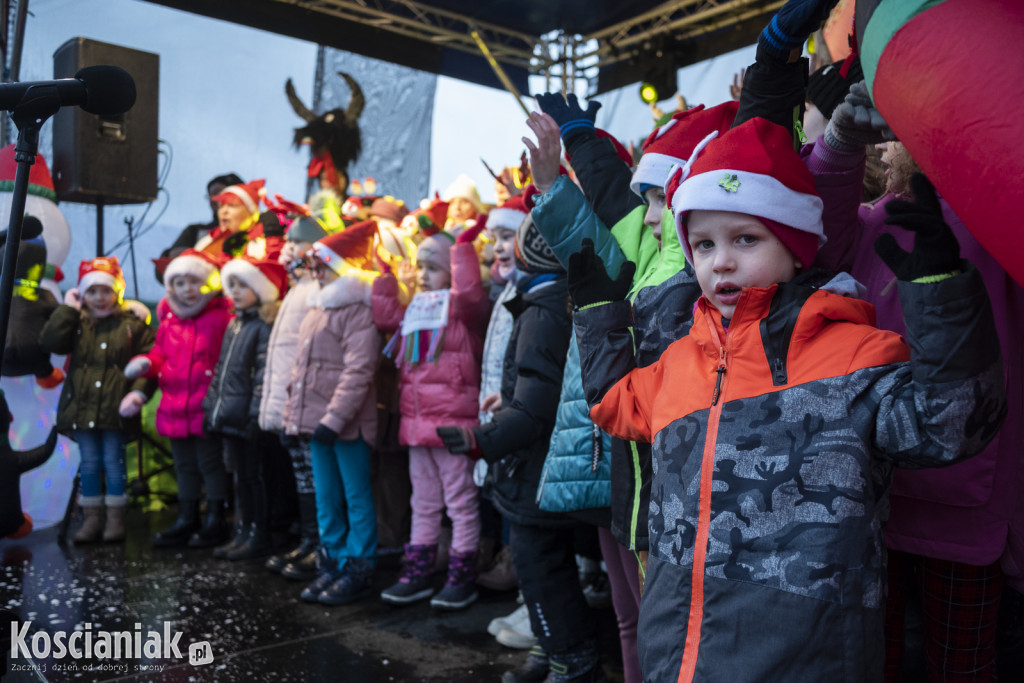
(718, 382)
(596, 454)
(227, 359)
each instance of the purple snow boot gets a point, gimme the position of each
(414, 583)
(459, 591)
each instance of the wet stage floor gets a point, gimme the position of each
(257, 627)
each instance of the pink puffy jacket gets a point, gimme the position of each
(184, 357)
(446, 392)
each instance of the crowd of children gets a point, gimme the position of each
(658, 349)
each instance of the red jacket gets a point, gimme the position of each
(445, 392)
(184, 357)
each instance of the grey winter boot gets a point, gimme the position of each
(114, 529)
(459, 590)
(414, 583)
(92, 529)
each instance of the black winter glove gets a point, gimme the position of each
(936, 252)
(568, 114)
(589, 282)
(324, 434)
(289, 441)
(459, 441)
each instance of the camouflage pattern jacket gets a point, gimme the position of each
(773, 449)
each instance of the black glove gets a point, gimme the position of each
(459, 441)
(568, 114)
(589, 282)
(289, 441)
(324, 434)
(936, 250)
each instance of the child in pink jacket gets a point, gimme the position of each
(193, 318)
(438, 340)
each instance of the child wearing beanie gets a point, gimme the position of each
(193, 317)
(776, 422)
(232, 403)
(437, 344)
(299, 563)
(99, 406)
(331, 410)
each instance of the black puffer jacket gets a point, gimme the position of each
(98, 349)
(232, 402)
(515, 443)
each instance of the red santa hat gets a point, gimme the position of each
(350, 248)
(751, 169)
(102, 270)
(40, 184)
(509, 215)
(673, 143)
(193, 262)
(246, 194)
(265, 277)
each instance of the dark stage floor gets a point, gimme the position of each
(256, 625)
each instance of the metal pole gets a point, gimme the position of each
(502, 76)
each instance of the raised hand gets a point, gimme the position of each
(936, 252)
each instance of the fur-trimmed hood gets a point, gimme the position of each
(351, 288)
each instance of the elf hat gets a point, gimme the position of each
(436, 250)
(267, 278)
(509, 215)
(463, 186)
(751, 169)
(671, 144)
(246, 194)
(102, 270)
(192, 262)
(350, 248)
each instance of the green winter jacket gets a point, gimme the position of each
(95, 384)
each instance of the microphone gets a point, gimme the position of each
(101, 90)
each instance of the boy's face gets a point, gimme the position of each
(231, 216)
(431, 277)
(733, 251)
(655, 197)
(504, 249)
(100, 300)
(186, 288)
(240, 293)
(461, 209)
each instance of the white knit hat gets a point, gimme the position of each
(463, 186)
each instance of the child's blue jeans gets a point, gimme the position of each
(102, 452)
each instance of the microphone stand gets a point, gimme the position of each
(38, 104)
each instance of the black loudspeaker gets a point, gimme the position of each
(107, 159)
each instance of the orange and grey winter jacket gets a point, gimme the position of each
(773, 448)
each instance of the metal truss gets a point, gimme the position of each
(423, 22)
